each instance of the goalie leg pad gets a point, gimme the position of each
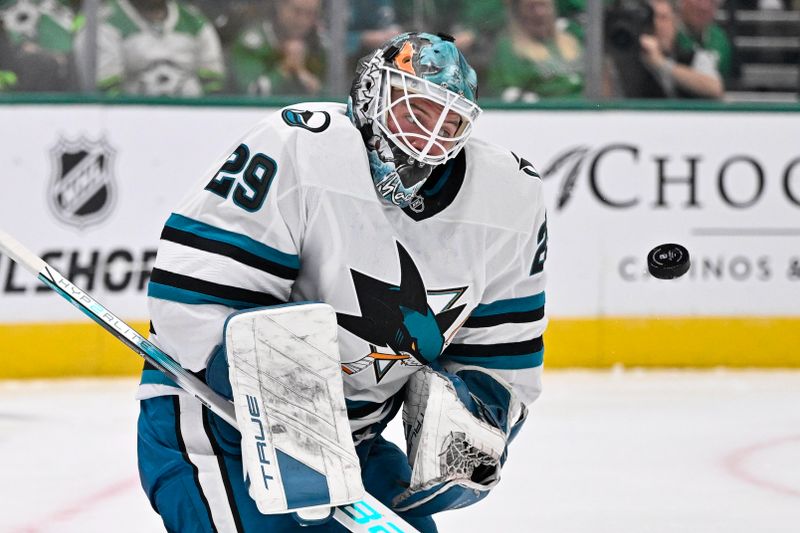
(285, 373)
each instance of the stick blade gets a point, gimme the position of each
(20, 254)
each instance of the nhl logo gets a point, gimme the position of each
(82, 190)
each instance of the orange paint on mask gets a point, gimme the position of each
(403, 58)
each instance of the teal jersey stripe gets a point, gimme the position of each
(513, 305)
(244, 242)
(502, 362)
(156, 377)
(185, 296)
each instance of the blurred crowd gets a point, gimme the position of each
(523, 50)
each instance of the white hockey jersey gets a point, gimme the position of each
(292, 215)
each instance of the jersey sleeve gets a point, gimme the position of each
(232, 245)
(504, 332)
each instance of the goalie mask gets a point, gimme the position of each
(413, 101)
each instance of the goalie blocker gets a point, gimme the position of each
(281, 366)
(285, 375)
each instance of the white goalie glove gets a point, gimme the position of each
(457, 430)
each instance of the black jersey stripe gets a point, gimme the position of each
(499, 349)
(505, 318)
(176, 406)
(223, 469)
(228, 250)
(199, 374)
(360, 409)
(178, 287)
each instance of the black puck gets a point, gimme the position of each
(668, 261)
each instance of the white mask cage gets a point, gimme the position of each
(430, 143)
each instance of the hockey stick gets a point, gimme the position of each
(367, 515)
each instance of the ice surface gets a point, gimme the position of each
(715, 451)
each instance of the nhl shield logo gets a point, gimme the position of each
(82, 189)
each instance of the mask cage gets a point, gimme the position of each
(437, 148)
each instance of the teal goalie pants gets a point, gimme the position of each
(191, 470)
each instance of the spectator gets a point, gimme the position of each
(652, 66)
(473, 25)
(8, 75)
(282, 54)
(40, 35)
(572, 16)
(156, 48)
(534, 59)
(463, 19)
(8, 79)
(372, 22)
(229, 18)
(697, 31)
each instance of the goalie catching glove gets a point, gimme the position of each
(458, 427)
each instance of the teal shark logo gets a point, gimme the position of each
(397, 320)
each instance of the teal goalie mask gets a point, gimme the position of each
(414, 102)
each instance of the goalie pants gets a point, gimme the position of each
(193, 475)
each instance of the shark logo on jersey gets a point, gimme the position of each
(398, 321)
(82, 189)
(315, 121)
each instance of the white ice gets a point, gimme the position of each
(616, 451)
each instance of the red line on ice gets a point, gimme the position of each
(80, 506)
(735, 463)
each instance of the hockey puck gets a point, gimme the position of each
(668, 261)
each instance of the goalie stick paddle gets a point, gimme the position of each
(367, 515)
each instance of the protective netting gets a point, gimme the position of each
(460, 458)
